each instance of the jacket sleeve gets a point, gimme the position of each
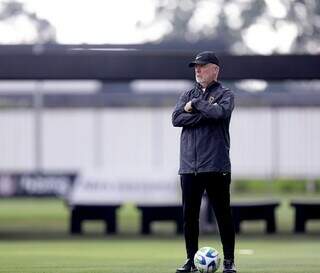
(220, 110)
(181, 118)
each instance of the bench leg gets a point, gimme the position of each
(111, 226)
(271, 224)
(145, 228)
(237, 226)
(179, 226)
(75, 223)
(300, 222)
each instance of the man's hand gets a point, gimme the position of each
(188, 107)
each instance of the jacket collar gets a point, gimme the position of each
(211, 87)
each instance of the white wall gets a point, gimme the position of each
(16, 139)
(265, 142)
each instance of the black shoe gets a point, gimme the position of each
(187, 267)
(229, 266)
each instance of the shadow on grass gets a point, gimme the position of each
(29, 236)
(44, 235)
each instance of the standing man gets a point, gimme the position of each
(204, 114)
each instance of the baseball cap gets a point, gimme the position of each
(205, 57)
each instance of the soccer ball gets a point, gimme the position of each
(207, 260)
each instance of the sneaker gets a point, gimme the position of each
(187, 267)
(229, 266)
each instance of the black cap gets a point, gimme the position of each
(205, 57)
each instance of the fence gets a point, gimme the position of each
(265, 142)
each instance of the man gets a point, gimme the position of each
(204, 114)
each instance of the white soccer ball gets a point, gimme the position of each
(207, 260)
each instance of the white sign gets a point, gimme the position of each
(98, 187)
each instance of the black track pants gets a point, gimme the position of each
(217, 186)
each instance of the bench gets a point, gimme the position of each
(255, 210)
(152, 213)
(304, 210)
(82, 212)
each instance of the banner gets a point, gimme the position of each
(99, 187)
(36, 184)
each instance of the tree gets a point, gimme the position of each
(228, 25)
(14, 16)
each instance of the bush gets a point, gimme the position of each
(277, 186)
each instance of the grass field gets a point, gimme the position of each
(34, 238)
(158, 255)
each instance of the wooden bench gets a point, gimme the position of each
(81, 212)
(255, 210)
(304, 211)
(152, 213)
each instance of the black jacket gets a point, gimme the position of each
(205, 140)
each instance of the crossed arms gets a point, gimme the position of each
(191, 112)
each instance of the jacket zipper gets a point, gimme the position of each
(195, 146)
(202, 95)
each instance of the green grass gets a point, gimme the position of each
(34, 239)
(130, 255)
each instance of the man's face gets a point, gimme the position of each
(206, 73)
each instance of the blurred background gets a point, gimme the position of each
(115, 138)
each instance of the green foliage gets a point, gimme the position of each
(12, 11)
(224, 30)
(276, 186)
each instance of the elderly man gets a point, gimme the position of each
(204, 114)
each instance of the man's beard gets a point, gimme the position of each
(200, 80)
